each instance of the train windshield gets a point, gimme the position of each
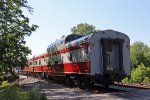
(72, 37)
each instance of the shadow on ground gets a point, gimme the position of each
(55, 91)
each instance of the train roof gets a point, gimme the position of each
(75, 38)
(66, 39)
(57, 42)
(77, 41)
(37, 56)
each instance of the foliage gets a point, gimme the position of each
(126, 80)
(4, 84)
(1, 77)
(140, 63)
(15, 93)
(139, 53)
(14, 27)
(146, 79)
(62, 36)
(33, 95)
(83, 28)
(139, 74)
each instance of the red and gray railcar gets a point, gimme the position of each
(101, 57)
(37, 66)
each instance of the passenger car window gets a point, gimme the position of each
(56, 64)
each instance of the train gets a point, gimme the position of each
(101, 57)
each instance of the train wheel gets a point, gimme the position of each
(73, 81)
(106, 84)
(84, 83)
(67, 80)
(91, 83)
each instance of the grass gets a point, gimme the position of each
(8, 92)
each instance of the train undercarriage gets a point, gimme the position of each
(80, 80)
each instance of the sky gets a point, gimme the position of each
(56, 17)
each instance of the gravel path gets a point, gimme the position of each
(56, 91)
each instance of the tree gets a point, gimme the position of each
(140, 53)
(62, 36)
(14, 27)
(83, 28)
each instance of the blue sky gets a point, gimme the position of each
(56, 17)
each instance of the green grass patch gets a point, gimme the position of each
(16, 93)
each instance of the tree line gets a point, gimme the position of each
(140, 63)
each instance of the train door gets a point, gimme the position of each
(112, 55)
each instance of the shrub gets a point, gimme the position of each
(126, 80)
(4, 84)
(139, 75)
(146, 79)
(34, 95)
(15, 93)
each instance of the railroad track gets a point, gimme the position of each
(140, 86)
(55, 89)
(140, 91)
(130, 91)
(115, 87)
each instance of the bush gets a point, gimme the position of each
(126, 80)
(4, 84)
(1, 78)
(34, 95)
(15, 93)
(146, 79)
(139, 75)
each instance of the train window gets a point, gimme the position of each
(49, 64)
(30, 63)
(86, 48)
(72, 37)
(56, 63)
(45, 60)
(70, 56)
(62, 58)
(39, 62)
(35, 62)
